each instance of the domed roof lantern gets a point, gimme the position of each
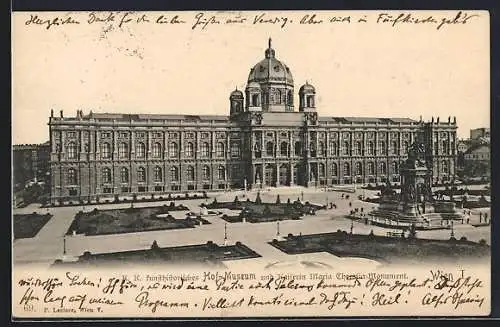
(236, 93)
(270, 53)
(307, 88)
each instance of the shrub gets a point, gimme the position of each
(278, 201)
(236, 200)
(290, 235)
(452, 239)
(288, 201)
(238, 243)
(117, 199)
(463, 239)
(482, 241)
(154, 246)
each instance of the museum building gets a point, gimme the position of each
(267, 140)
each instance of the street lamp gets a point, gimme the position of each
(64, 245)
(352, 225)
(225, 233)
(278, 228)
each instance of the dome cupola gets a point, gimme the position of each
(307, 98)
(275, 80)
(236, 101)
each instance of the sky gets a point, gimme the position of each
(358, 69)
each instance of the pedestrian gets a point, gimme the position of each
(342, 195)
(468, 220)
(361, 209)
(350, 204)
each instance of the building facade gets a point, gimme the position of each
(266, 140)
(31, 162)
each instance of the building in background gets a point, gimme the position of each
(31, 163)
(480, 133)
(264, 141)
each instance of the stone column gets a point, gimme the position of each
(63, 145)
(277, 174)
(132, 145)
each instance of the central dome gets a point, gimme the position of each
(270, 70)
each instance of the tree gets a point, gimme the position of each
(236, 200)
(258, 199)
(278, 201)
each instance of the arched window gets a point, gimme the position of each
(322, 170)
(72, 150)
(358, 169)
(206, 173)
(290, 98)
(346, 148)
(395, 147)
(174, 174)
(371, 168)
(382, 168)
(141, 175)
(156, 150)
(173, 149)
(333, 148)
(235, 149)
(321, 149)
(284, 149)
(358, 148)
(270, 148)
(222, 173)
(72, 177)
(106, 175)
(123, 150)
(405, 147)
(190, 173)
(106, 150)
(298, 148)
(255, 100)
(444, 167)
(382, 149)
(395, 167)
(205, 149)
(124, 175)
(347, 169)
(334, 169)
(140, 150)
(220, 150)
(189, 150)
(158, 174)
(371, 148)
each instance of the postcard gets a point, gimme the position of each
(251, 164)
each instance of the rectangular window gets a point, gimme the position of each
(73, 192)
(190, 187)
(206, 187)
(124, 134)
(158, 188)
(141, 189)
(222, 186)
(105, 135)
(107, 190)
(125, 189)
(175, 187)
(71, 134)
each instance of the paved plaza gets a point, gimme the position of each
(47, 245)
